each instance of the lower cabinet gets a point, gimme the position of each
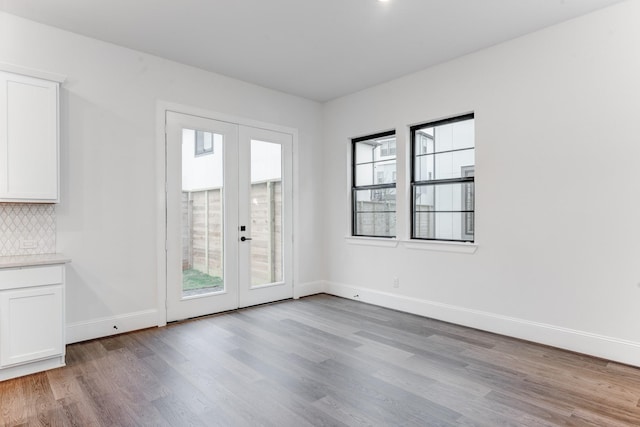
(31, 320)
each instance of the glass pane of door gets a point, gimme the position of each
(266, 213)
(201, 216)
(202, 213)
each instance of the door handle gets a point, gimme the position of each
(242, 239)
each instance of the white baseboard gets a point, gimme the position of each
(309, 288)
(105, 326)
(610, 348)
(31, 368)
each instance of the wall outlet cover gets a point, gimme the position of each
(28, 244)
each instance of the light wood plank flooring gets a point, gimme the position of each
(322, 361)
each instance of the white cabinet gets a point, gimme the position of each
(30, 324)
(32, 321)
(29, 133)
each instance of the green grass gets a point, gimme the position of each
(195, 280)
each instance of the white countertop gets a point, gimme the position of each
(32, 260)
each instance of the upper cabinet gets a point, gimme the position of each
(29, 135)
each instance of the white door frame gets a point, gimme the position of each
(161, 162)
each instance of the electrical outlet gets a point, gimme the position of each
(28, 244)
(396, 282)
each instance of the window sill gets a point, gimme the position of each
(457, 247)
(372, 241)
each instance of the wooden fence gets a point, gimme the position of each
(202, 231)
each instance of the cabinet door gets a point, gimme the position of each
(28, 139)
(31, 324)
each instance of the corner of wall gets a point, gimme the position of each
(309, 288)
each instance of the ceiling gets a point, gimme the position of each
(316, 49)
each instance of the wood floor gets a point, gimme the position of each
(322, 361)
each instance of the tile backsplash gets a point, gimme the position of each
(27, 229)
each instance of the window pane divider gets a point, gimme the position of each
(373, 162)
(445, 181)
(445, 151)
(427, 239)
(374, 186)
(436, 212)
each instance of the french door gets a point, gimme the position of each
(229, 216)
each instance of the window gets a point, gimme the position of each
(203, 143)
(374, 185)
(442, 180)
(388, 147)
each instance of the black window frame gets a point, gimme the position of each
(355, 188)
(435, 182)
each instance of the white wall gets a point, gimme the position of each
(107, 216)
(557, 186)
